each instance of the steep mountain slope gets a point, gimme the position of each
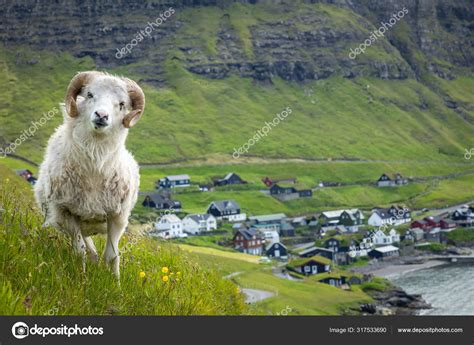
(215, 72)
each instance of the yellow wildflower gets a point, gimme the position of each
(165, 278)
(165, 269)
(142, 274)
(178, 273)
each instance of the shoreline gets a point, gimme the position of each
(393, 270)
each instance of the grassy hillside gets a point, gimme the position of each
(40, 276)
(196, 117)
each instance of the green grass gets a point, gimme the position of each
(176, 124)
(461, 236)
(220, 253)
(416, 194)
(303, 297)
(39, 274)
(448, 192)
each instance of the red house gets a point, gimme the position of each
(248, 241)
(429, 223)
(420, 224)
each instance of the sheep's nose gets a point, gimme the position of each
(101, 115)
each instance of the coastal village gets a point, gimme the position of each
(321, 244)
(341, 248)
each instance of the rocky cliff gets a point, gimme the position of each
(294, 40)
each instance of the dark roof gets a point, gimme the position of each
(222, 205)
(270, 245)
(158, 198)
(248, 233)
(384, 213)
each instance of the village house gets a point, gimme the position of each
(226, 209)
(379, 238)
(168, 226)
(267, 222)
(229, 179)
(393, 216)
(286, 193)
(356, 251)
(391, 180)
(161, 202)
(27, 175)
(464, 216)
(351, 219)
(174, 181)
(270, 236)
(276, 250)
(198, 223)
(433, 235)
(313, 251)
(383, 253)
(333, 279)
(287, 230)
(434, 222)
(415, 235)
(248, 241)
(340, 247)
(312, 265)
(299, 221)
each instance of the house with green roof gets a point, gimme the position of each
(313, 265)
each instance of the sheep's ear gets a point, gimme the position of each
(137, 98)
(75, 86)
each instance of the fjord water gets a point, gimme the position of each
(448, 288)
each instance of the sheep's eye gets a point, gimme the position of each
(90, 95)
(122, 105)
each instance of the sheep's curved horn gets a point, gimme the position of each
(75, 86)
(138, 104)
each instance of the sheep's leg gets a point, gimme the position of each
(93, 256)
(115, 229)
(79, 246)
(68, 223)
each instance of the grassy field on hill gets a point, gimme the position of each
(39, 275)
(195, 117)
(362, 193)
(302, 297)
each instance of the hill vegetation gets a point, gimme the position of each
(39, 275)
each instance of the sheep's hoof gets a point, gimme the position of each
(94, 257)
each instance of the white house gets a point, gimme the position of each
(169, 226)
(379, 238)
(391, 216)
(271, 236)
(197, 223)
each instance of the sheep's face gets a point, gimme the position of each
(103, 104)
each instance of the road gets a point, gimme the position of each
(253, 295)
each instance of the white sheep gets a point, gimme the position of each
(88, 182)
